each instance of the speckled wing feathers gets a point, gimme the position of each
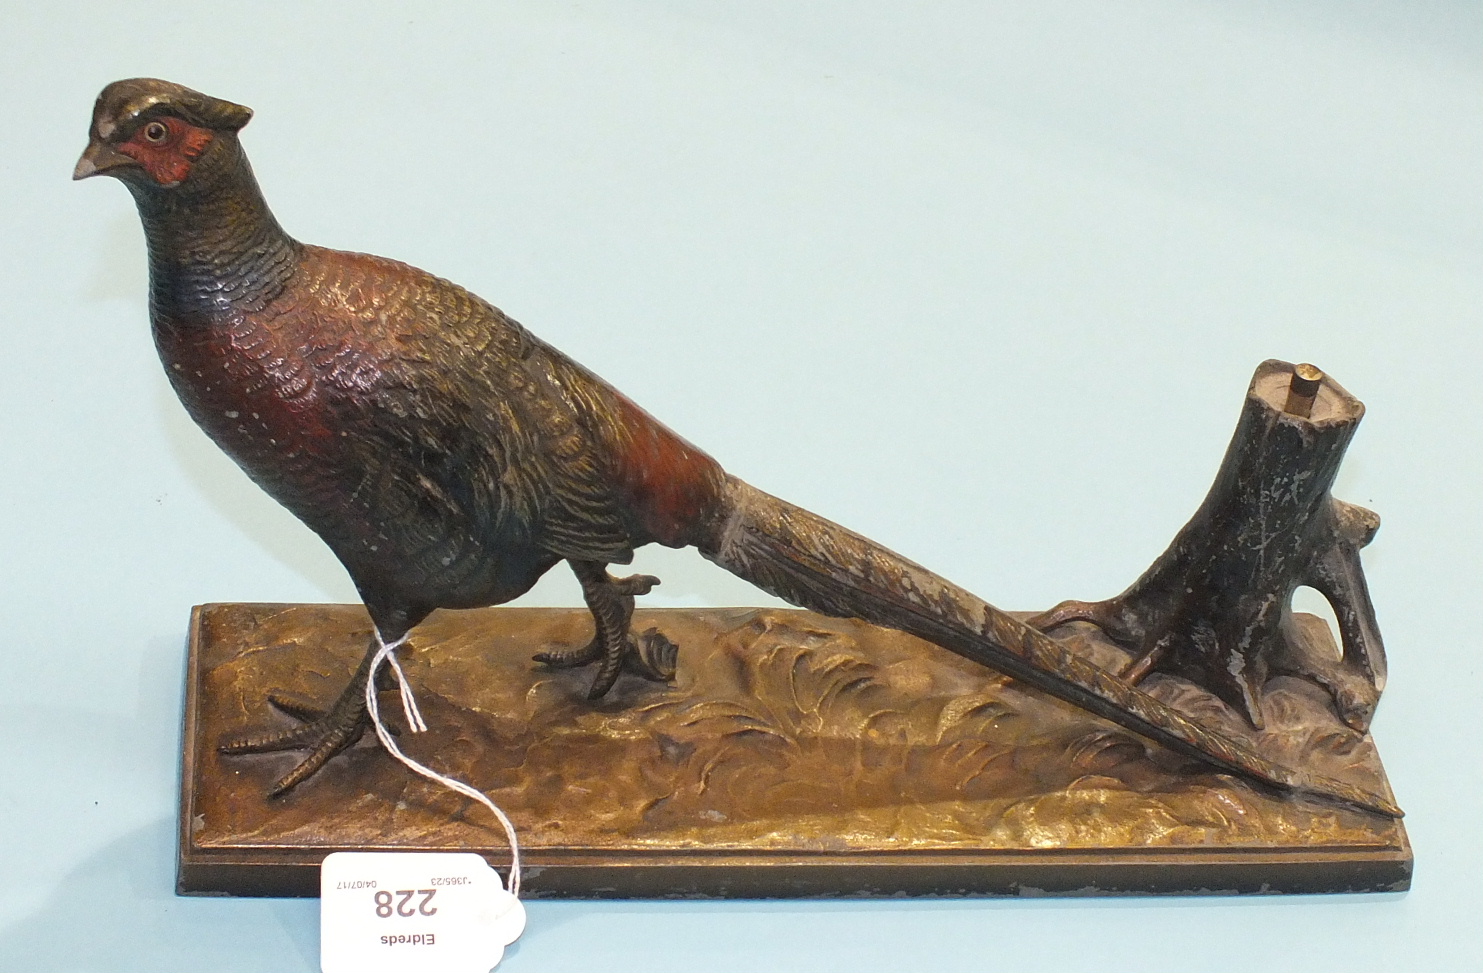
(460, 420)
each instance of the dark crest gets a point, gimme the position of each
(124, 104)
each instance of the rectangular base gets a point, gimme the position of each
(793, 755)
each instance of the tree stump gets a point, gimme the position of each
(1216, 607)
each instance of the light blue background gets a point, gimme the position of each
(983, 281)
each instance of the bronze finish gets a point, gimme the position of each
(1215, 607)
(450, 458)
(793, 755)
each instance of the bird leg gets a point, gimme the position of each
(610, 600)
(323, 733)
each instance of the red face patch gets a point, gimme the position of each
(166, 147)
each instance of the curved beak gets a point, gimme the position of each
(99, 159)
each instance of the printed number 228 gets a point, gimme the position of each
(403, 906)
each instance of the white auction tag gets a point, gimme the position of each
(414, 912)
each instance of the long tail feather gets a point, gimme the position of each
(812, 562)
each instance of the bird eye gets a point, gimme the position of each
(155, 132)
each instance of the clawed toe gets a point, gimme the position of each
(634, 584)
(323, 733)
(300, 708)
(295, 739)
(336, 737)
(322, 737)
(570, 658)
(651, 656)
(657, 657)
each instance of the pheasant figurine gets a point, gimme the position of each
(449, 458)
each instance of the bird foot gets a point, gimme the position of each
(650, 656)
(323, 733)
(613, 647)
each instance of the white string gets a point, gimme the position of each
(387, 652)
(409, 702)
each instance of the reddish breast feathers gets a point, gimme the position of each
(258, 383)
(249, 389)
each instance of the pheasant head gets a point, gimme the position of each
(155, 135)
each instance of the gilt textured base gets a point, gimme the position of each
(794, 755)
